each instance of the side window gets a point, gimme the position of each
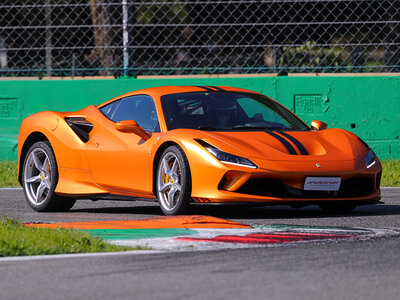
(124, 111)
(109, 108)
(140, 108)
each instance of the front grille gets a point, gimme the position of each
(354, 187)
(263, 187)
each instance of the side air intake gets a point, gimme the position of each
(81, 127)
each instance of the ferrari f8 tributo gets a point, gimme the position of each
(193, 145)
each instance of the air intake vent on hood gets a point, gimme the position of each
(80, 126)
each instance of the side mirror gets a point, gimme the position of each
(318, 125)
(130, 126)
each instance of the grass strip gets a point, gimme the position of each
(390, 174)
(19, 240)
(8, 174)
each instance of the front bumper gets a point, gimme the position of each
(232, 198)
(226, 184)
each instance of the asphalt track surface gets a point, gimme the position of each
(354, 269)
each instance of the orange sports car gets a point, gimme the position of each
(188, 145)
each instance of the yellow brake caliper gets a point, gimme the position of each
(166, 177)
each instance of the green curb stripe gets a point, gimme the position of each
(136, 234)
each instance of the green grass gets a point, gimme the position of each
(8, 174)
(390, 173)
(390, 176)
(18, 240)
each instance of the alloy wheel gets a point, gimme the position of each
(169, 181)
(37, 176)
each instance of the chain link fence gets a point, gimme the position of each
(153, 37)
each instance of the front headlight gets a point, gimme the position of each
(227, 158)
(231, 159)
(370, 159)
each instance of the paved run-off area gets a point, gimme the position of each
(359, 260)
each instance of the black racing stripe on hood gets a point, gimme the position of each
(285, 143)
(299, 145)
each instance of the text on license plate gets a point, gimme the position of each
(322, 183)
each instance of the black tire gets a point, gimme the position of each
(180, 184)
(39, 180)
(337, 208)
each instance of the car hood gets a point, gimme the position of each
(328, 144)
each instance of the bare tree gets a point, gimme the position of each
(102, 36)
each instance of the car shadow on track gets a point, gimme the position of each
(244, 212)
(287, 212)
(140, 210)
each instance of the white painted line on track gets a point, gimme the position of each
(79, 255)
(10, 189)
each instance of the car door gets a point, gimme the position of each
(123, 161)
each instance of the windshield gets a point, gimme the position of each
(227, 111)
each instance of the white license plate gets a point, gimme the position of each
(322, 183)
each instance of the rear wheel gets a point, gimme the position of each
(333, 208)
(39, 179)
(173, 182)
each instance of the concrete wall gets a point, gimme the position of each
(369, 106)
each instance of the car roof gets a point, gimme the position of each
(157, 92)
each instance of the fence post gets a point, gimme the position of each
(125, 36)
(3, 54)
(47, 10)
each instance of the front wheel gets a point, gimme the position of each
(173, 182)
(39, 179)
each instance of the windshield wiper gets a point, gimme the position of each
(264, 127)
(206, 128)
(278, 128)
(239, 127)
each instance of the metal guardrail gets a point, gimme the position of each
(162, 37)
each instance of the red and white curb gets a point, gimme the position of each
(179, 233)
(266, 236)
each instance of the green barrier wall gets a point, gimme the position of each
(368, 106)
